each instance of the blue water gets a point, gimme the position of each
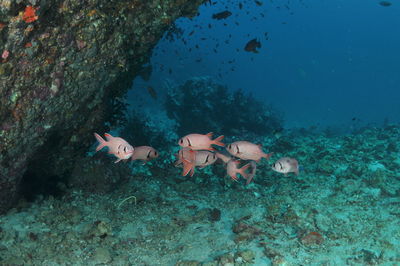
(324, 63)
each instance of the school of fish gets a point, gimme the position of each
(196, 150)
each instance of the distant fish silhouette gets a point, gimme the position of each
(252, 46)
(385, 3)
(222, 15)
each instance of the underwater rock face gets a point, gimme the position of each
(62, 63)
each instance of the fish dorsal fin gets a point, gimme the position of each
(209, 134)
(108, 136)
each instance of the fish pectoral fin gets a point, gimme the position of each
(117, 160)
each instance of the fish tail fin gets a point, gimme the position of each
(187, 167)
(296, 172)
(218, 142)
(251, 175)
(268, 155)
(102, 142)
(242, 171)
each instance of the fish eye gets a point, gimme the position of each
(125, 149)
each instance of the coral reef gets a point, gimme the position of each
(200, 105)
(342, 209)
(63, 65)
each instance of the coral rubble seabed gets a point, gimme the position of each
(342, 209)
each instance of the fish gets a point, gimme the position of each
(232, 170)
(117, 146)
(252, 46)
(222, 15)
(385, 3)
(200, 141)
(152, 92)
(203, 159)
(144, 153)
(286, 165)
(247, 151)
(187, 157)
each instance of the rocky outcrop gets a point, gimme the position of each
(63, 64)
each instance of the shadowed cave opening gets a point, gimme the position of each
(43, 177)
(34, 185)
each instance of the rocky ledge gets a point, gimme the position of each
(64, 64)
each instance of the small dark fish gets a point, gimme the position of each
(385, 3)
(152, 92)
(191, 33)
(252, 46)
(222, 15)
(240, 5)
(259, 3)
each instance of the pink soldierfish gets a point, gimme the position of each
(119, 147)
(144, 153)
(188, 158)
(247, 151)
(286, 165)
(203, 159)
(232, 169)
(200, 141)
